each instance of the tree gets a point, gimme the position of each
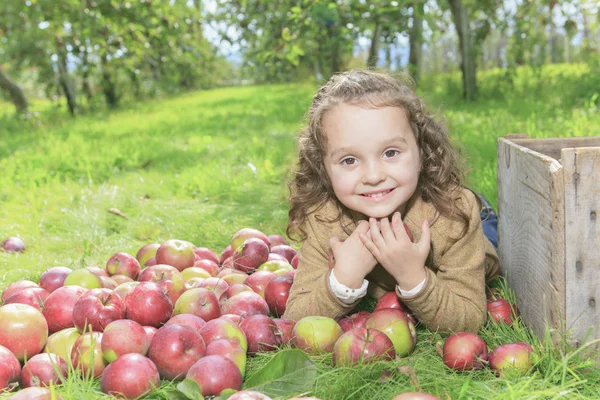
(15, 92)
(468, 66)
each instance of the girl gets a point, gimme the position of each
(371, 160)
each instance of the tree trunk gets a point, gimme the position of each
(416, 41)
(108, 87)
(468, 66)
(374, 50)
(17, 96)
(64, 80)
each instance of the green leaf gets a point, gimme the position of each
(190, 389)
(289, 373)
(225, 394)
(286, 35)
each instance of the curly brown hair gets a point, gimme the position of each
(310, 188)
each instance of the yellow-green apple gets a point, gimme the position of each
(228, 349)
(123, 264)
(121, 337)
(245, 304)
(362, 346)
(204, 253)
(248, 233)
(217, 285)
(121, 279)
(208, 265)
(54, 277)
(146, 252)
(176, 253)
(150, 332)
(97, 308)
(23, 330)
(276, 239)
(225, 254)
(222, 328)
(194, 272)
(258, 281)
(285, 328)
(124, 288)
(213, 374)
(58, 307)
(34, 296)
(10, 370)
(191, 320)
(130, 376)
(287, 251)
(200, 302)
(16, 286)
(84, 278)
(275, 265)
(415, 396)
(316, 334)
(13, 244)
(261, 333)
(234, 278)
(511, 358)
(62, 342)
(44, 369)
(277, 292)
(356, 320)
(99, 272)
(174, 349)
(465, 351)
(193, 282)
(168, 278)
(398, 326)
(501, 309)
(86, 354)
(147, 304)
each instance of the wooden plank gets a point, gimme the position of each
(552, 146)
(582, 232)
(531, 232)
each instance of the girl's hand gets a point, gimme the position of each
(352, 261)
(393, 249)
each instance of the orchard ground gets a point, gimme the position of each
(203, 165)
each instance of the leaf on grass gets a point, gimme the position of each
(190, 389)
(386, 376)
(289, 373)
(225, 394)
(439, 346)
(407, 370)
(118, 212)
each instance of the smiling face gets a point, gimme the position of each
(372, 158)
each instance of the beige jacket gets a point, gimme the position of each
(453, 297)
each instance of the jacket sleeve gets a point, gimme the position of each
(310, 293)
(453, 298)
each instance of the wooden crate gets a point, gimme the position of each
(549, 234)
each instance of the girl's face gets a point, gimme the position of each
(372, 158)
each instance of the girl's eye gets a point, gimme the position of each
(391, 153)
(348, 161)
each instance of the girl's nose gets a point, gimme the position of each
(373, 174)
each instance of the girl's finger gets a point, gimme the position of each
(425, 242)
(386, 231)
(369, 245)
(375, 234)
(398, 225)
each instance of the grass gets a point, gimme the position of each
(203, 165)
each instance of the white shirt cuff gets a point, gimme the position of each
(414, 290)
(344, 293)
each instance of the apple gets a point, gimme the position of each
(294, 262)
(194, 272)
(277, 293)
(228, 263)
(236, 319)
(168, 278)
(274, 266)
(16, 286)
(245, 304)
(285, 250)
(58, 307)
(146, 252)
(10, 369)
(391, 300)
(274, 256)
(119, 279)
(415, 396)
(123, 264)
(234, 278)
(191, 320)
(247, 233)
(291, 273)
(13, 244)
(233, 290)
(151, 262)
(250, 254)
(201, 302)
(362, 346)
(213, 374)
(125, 288)
(465, 351)
(248, 395)
(86, 354)
(44, 370)
(61, 343)
(33, 296)
(204, 253)
(316, 334)
(208, 265)
(121, 337)
(23, 330)
(356, 320)
(177, 253)
(130, 376)
(398, 326)
(276, 240)
(174, 349)
(150, 332)
(258, 281)
(35, 393)
(147, 304)
(97, 308)
(225, 254)
(285, 328)
(54, 277)
(99, 272)
(84, 278)
(511, 358)
(217, 285)
(501, 309)
(108, 282)
(222, 328)
(229, 349)
(261, 333)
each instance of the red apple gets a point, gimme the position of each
(236, 319)
(258, 281)
(217, 285)
(285, 328)
(284, 250)
(177, 253)
(13, 244)
(58, 307)
(229, 349)
(316, 334)
(208, 265)
(151, 262)
(274, 256)
(465, 351)
(277, 293)
(225, 254)
(61, 343)
(512, 358)
(97, 308)
(147, 304)
(204, 253)
(398, 326)
(228, 263)
(123, 336)
(99, 272)
(108, 282)
(277, 240)
(86, 354)
(123, 264)
(23, 330)
(174, 349)
(245, 304)
(16, 286)
(191, 320)
(146, 252)
(501, 309)
(248, 395)
(150, 332)
(291, 273)
(168, 278)
(119, 279)
(54, 277)
(261, 333)
(356, 320)
(35, 393)
(415, 396)
(213, 374)
(362, 346)
(84, 278)
(250, 254)
(34, 296)
(44, 370)
(130, 376)
(233, 290)
(194, 272)
(200, 302)
(10, 369)
(125, 288)
(294, 262)
(222, 328)
(391, 300)
(247, 233)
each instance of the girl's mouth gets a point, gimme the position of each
(378, 196)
